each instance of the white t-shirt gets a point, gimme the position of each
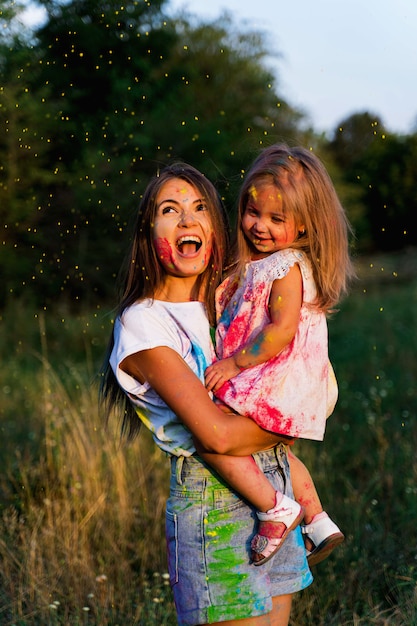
(182, 326)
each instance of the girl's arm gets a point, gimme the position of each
(180, 388)
(284, 304)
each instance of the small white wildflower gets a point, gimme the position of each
(101, 578)
(86, 608)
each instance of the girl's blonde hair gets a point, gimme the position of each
(308, 195)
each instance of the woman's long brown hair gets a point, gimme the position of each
(142, 275)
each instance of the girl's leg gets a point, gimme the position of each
(244, 476)
(321, 535)
(277, 513)
(304, 489)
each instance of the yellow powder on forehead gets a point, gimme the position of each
(276, 196)
(253, 192)
(183, 191)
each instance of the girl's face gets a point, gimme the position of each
(264, 223)
(183, 231)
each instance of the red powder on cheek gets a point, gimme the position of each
(164, 252)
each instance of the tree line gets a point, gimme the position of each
(102, 95)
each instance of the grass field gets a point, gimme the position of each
(81, 518)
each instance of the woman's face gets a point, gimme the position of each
(183, 231)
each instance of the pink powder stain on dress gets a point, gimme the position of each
(236, 335)
(272, 419)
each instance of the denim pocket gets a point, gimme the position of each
(172, 546)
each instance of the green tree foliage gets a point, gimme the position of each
(388, 175)
(381, 172)
(97, 58)
(8, 12)
(25, 141)
(351, 139)
(218, 101)
(24, 173)
(353, 136)
(108, 93)
(104, 94)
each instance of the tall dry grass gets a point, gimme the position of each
(81, 517)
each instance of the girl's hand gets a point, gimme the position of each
(186, 395)
(219, 372)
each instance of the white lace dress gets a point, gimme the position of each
(294, 392)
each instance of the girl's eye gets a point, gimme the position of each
(201, 207)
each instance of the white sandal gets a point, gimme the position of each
(324, 535)
(270, 536)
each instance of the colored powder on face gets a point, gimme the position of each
(163, 250)
(253, 192)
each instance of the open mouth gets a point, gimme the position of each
(189, 244)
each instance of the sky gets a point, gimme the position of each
(333, 58)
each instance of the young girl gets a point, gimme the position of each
(154, 373)
(272, 333)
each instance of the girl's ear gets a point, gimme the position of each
(301, 230)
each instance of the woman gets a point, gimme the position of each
(155, 368)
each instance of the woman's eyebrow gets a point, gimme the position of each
(167, 200)
(172, 201)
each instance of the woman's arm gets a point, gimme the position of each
(172, 379)
(284, 304)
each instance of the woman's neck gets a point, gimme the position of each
(176, 289)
